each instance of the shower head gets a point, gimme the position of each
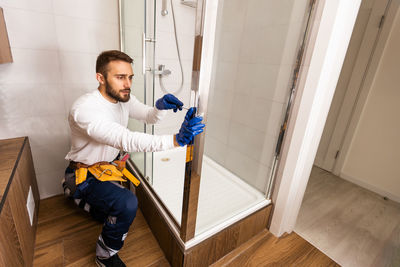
(164, 10)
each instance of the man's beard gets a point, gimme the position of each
(114, 94)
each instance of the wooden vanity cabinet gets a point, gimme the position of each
(19, 193)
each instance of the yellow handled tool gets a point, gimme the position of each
(130, 177)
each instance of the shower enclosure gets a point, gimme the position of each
(255, 54)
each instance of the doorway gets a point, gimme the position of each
(351, 208)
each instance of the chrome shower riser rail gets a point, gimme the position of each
(144, 40)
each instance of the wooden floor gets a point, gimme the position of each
(66, 236)
(352, 225)
(267, 250)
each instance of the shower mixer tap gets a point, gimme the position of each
(161, 70)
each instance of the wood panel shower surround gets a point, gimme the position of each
(17, 175)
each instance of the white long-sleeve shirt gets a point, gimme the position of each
(99, 129)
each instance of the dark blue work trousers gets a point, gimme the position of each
(110, 204)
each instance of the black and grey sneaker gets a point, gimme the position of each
(113, 261)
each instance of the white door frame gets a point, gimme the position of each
(324, 56)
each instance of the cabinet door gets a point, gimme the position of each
(10, 250)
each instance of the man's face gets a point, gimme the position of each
(119, 80)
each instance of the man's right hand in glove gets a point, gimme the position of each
(191, 127)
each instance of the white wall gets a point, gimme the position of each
(256, 46)
(374, 153)
(54, 45)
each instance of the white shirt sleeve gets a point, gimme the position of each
(105, 131)
(144, 113)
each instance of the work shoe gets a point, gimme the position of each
(113, 261)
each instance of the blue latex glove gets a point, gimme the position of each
(191, 127)
(169, 101)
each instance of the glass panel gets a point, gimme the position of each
(164, 170)
(138, 19)
(256, 48)
(132, 19)
(150, 26)
(169, 166)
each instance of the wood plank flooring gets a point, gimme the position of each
(267, 250)
(66, 236)
(350, 224)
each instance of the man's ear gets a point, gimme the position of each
(100, 78)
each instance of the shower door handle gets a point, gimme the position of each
(144, 40)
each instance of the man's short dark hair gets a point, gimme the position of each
(106, 57)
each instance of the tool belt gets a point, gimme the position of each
(103, 171)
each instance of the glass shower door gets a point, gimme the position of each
(256, 47)
(174, 34)
(153, 33)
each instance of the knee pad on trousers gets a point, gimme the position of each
(130, 206)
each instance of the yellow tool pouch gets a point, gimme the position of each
(80, 175)
(105, 172)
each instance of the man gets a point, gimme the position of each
(98, 123)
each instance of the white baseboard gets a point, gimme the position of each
(370, 187)
(317, 163)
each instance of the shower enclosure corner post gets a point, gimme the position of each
(195, 151)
